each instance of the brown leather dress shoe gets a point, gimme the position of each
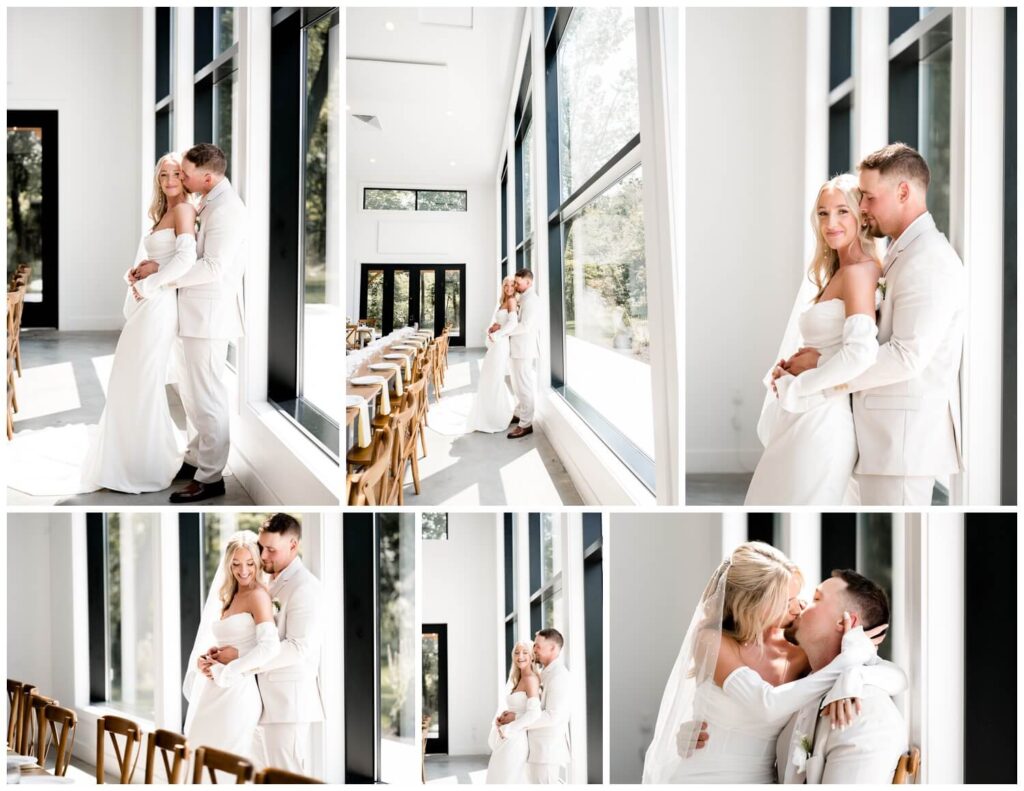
(519, 431)
(197, 491)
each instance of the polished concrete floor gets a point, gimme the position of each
(64, 385)
(488, 469)
(731, 488)
(456, 769)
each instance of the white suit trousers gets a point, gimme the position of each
(545, 774)
(286, 746)
(524, 385)
(895, 489)
(205, 397)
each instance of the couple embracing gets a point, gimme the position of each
(887, 330)
(769, 688)
(253, 686)
(529, 737)
(185, 283)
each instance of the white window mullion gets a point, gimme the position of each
(182, 89)
(870, 117)
(575, 639)
(167, 625)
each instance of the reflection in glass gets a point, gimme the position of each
(132, 580)
(452, 295)
(224, 34)
(440, 200)
(427, 298)
(528, 187)
(25, 206)
(934, 130)
(607, 341)
(397, 620)
(212, 533)
(225, 120)
(374, 296)
(550, 548)
(322, 312)
(598, 102)
(431, 682)
(400, 316)
(551, 612)
(389, 200)
(434, 526)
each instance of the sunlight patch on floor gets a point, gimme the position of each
(525, 480)
(46, 390)
(102, 365)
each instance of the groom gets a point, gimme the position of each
(290, 683)
(524, 349)
(548, 735)
(906, 407)
(210, 316)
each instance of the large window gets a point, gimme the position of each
(164, 88)
(123, 568)
(378, 199)
(435, 527)
(511, 620)
(304, 370)
(840, 86)
(600, 355)
(547, 541)
(920, 93)
(216, 79)
(431, 296)
(523, 164)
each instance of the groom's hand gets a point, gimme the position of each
(505, 718)
(224, 654)
(143, 270)
(687, 741)
(804, 360)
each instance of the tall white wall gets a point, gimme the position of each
(459, 589)
(746, 218)
(658, 567)
(30, 648)
(465, 238)
(86, 64)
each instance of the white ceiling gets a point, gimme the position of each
(439, 83)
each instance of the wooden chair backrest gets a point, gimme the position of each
(24, 738)
(126, 759)
(369, 483)
(174, 753)
(908, 767)
(219, 761)
(36, 725)
(13, 713)
(61, 725)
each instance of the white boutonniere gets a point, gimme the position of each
(276, 604)
(801, 751)
(880, 292)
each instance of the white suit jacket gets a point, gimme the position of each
(210, 293)
(906, 407)
(290, 683)
(524, 340)
(865, 752)
(548, 735)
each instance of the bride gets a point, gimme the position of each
(737, 672)
(224, 708)
(509, 745)
(492, 404)
(810, 446)
(136, 399)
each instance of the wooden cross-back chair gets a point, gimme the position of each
(219, 761)
(58, 728)
(126, 759)
(173, 751)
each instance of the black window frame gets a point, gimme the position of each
(840, 86)
(540, 591)
(163, 109)
(286, 265)
(388, 300)
(416, 193)
(511, 615)
(1008, 449)
(593, 649)
(439, 745)
(209, 70)
(641, 465)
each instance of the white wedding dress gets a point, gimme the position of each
(137, 447)
(509, 756)
(490, 408)
(809, 456)
(225, 717)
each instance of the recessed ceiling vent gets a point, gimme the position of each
(369, 120)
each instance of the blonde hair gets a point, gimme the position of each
(825, 263)
(230, 586)
(515, 674)
(158, 206)
(501, 290)
(756, 591)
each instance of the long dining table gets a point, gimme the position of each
(371, 392)
(25, 770)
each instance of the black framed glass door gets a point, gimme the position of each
(435, 686)
(32, 210)
(400, 295)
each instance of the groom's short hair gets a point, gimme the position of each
(209, 157)
(900, 160)
(866, 597)
(553, 635)
(524, 273)
(284, 524)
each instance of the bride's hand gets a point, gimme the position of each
(877, 635)
(842, 712)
